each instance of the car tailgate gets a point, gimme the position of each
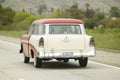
(65, 43)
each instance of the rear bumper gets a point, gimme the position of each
(90, 53)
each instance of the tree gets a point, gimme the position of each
(1, 10)
(90, 23)
(6, 16)
(64, 11)
(23, 10)
(76, 12)
(1, 1)
(42, 7)
(89, 13)
(20, 16)
(40, 10)
(87, 5)
(114, 12)
(52, 9)
(99, 16)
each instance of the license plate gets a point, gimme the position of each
(68, 54)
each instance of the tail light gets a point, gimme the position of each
(41, 42)
(92, 42)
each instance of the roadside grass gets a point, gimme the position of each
(16, 34)
(106, 38)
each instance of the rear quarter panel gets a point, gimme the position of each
(87, 43)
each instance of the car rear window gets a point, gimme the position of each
(64, 29)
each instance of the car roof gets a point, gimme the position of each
(58, 21)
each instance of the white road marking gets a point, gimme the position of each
(104, 65)
(89, 61)
(9, 43)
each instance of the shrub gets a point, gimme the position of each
(111, 23)
(90, 23)
(98, 16)
(20, 16)
(25, 24)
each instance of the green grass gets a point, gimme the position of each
(16, 34)
(106, 38)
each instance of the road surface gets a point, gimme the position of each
(13, 68)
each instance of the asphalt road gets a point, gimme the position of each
(13, 68)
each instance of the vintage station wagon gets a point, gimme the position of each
(60, 39)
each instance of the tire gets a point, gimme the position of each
(83, 62)
(26, 59)
(38, 62)
(66, 60)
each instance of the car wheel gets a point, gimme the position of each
(66, 60)
(38, 62)
(83, 62)
(26, 59)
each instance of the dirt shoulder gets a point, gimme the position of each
(110, 57)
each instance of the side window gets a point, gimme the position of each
(41, 29)
(35, 29)
(31, 29)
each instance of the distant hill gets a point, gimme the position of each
(33, 5)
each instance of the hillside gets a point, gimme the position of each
(33, 5)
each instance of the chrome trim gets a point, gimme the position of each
(90, 53)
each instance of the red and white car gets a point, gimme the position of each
(60, 39)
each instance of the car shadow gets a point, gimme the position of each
(59, 65)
